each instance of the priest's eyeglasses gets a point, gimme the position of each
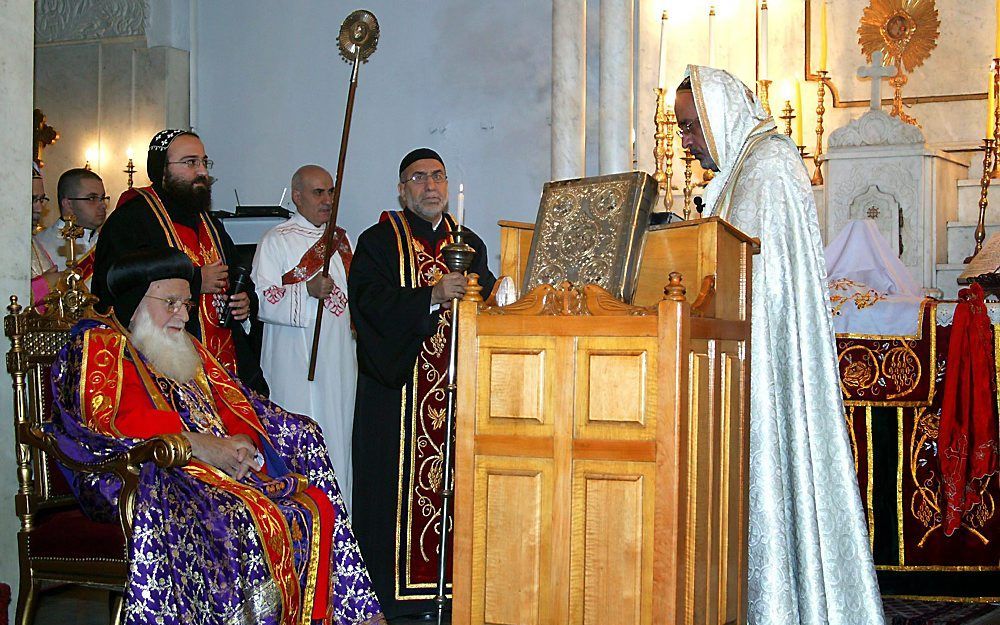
(422, 177)
(686, 128)
(193, 162)
(174, 304)
(40, 199)
(93, 197)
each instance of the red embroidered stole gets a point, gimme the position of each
(85, 264)
(101, 374)
(203, 247)
(422, 421)
(312, 260)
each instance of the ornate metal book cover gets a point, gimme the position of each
(591, 231)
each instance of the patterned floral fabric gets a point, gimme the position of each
(809, 558)
(205, 548)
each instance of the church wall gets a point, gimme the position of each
(15, 223)
(103, 88)
(470, 79)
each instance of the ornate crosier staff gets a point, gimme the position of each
(458, 256)
(357, 41)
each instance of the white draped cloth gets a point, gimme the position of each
(289, 314)
(871, 290)
(809, 557)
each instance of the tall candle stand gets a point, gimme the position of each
(663, 150)
(130, 170)
(688, 189)
(817, 178)
(989, 163)
(762, 93)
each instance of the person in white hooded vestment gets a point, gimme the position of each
(809, 558)
(287, 274)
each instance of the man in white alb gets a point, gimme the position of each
(81, 194)
(288, 275)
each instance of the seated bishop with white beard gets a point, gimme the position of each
(253, 529)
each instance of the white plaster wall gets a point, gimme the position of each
(469, 79)
(16, 31)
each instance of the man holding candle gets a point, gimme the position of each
(288, 274)
(400, 292)
(809, 558)
(81, 194)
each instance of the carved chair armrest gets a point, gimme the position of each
(167, 450)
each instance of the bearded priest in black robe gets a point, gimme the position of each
(173, 212)
(400, 293)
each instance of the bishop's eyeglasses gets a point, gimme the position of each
(174, 304)
(422, 177)
(193, 162)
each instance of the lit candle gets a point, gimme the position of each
(128, 153)
(662, 82)
(763, 40)
(711, 48)
(461, 204)
(90, 155)
(822, 35)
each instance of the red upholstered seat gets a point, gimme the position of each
(71, 534)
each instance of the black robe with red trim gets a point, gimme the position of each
(133, 226)
(393, 326)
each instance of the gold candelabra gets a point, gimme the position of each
(688, 189)
(663, 150)
(989, 163)
(762, 92)
(817, 178)
(789, 115)
(130, 170)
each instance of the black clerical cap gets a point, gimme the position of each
(418, 155)
(156, 158)
(130, 276)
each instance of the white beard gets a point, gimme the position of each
(171, 353)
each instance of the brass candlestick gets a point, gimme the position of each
(996, 115)
(668, 199)
(663, 150)
(817, 178)
(989, 162)
(688, 189)
(789, 115)
(130, 170)
(762, 93)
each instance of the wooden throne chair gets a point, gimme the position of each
(57, 542)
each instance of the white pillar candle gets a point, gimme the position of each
(711, 48)
(662, 82)
(763, 41)
(461, 204)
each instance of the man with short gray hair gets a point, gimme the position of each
(288, 276)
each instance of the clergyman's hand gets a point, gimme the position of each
(214, 277)
(449, 287)
(319, 286)
(240, 305)
(232, 454)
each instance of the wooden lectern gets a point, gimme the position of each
(601, 464)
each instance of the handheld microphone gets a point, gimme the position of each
(699, 204)
(239, 278)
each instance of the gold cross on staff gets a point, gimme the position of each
(42, 135)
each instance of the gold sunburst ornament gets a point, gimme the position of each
(906, 31)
